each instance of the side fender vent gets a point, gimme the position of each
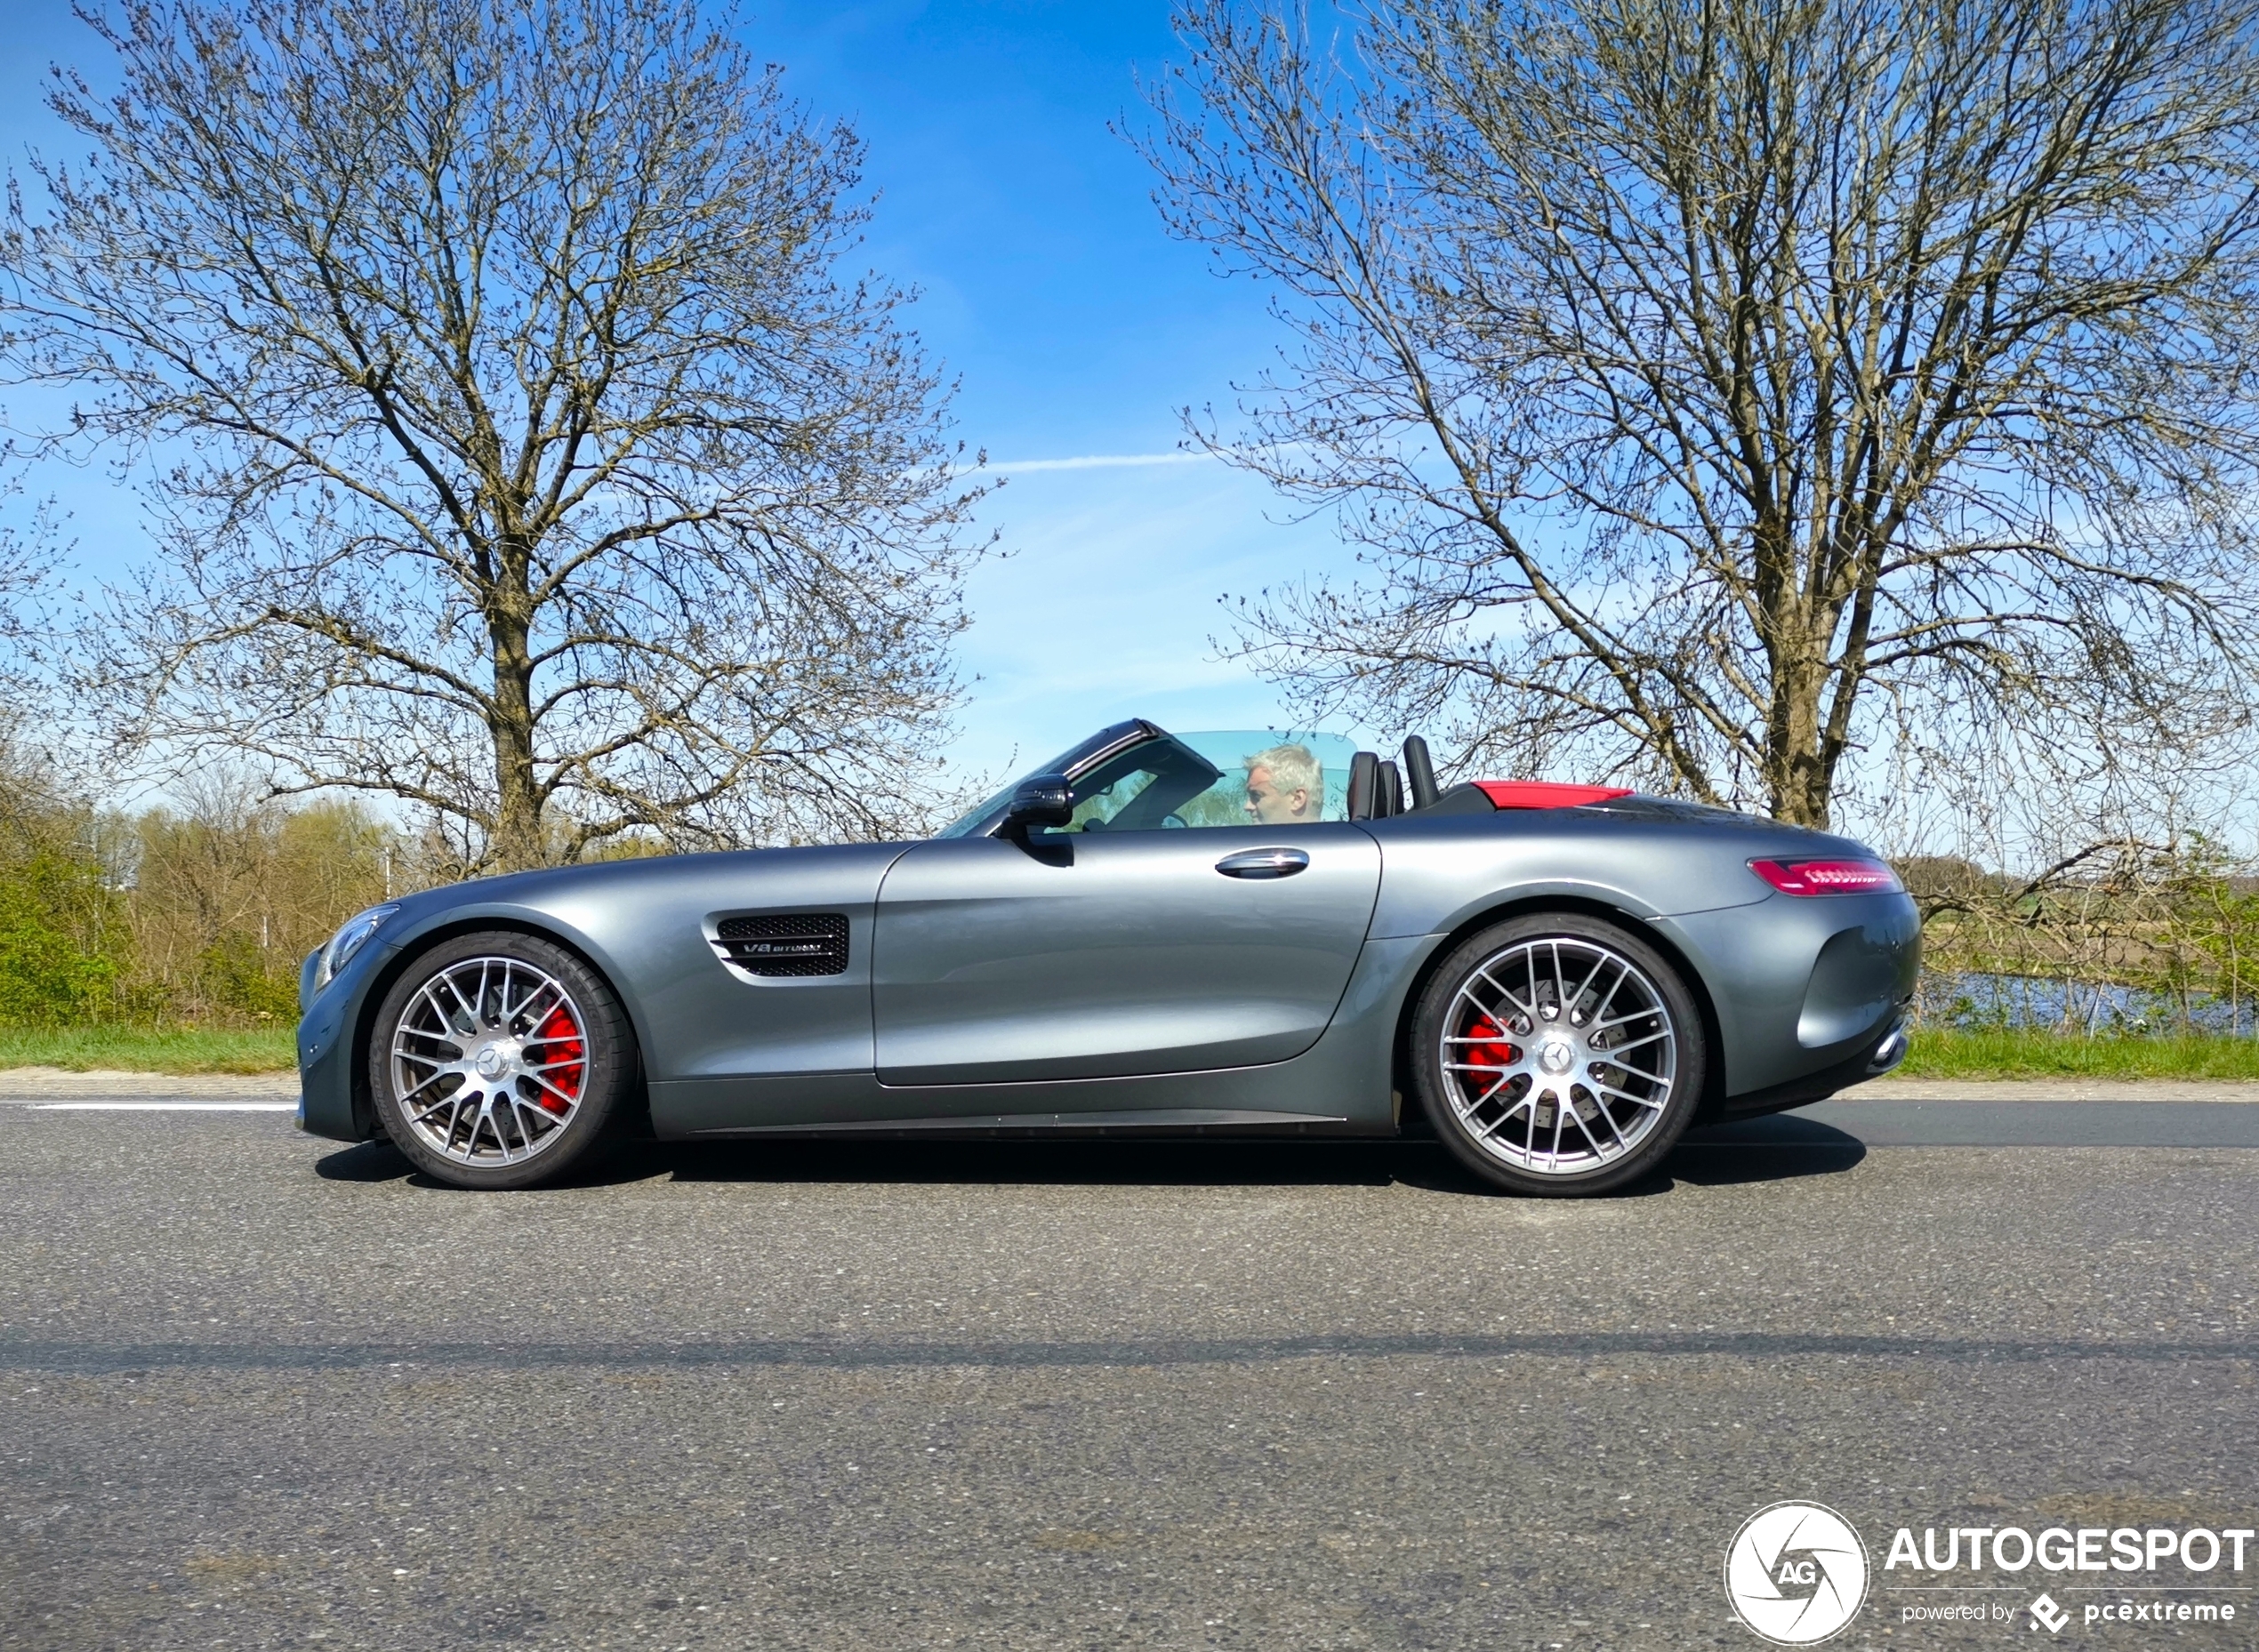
(799, 943)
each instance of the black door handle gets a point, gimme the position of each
(1262, 864)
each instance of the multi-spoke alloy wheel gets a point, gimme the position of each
(489, 1059)
(1563, 1054)
(495, 1059)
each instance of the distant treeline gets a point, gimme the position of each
(194, 915)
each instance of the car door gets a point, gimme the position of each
(1106, 954)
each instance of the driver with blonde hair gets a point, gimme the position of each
(1285, 787)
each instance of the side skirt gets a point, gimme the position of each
(1177, 1121)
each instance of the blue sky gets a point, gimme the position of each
(1078, 329)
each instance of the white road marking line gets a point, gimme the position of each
(165, 1107)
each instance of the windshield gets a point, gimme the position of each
(1134, 777)
(1075, 756)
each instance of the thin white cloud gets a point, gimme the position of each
(1100, 461)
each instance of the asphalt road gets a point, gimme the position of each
(262, 1391)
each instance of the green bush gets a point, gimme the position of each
(235, 977)
(49, 974)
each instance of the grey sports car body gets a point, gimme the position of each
(1083, 954)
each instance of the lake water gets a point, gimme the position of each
(2095, 1006)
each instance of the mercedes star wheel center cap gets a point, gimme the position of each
(490, 1062)
(1556, 1055)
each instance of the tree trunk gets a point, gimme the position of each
(518, 842)
(1797, 781)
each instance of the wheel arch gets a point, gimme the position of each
(1713, 1072)
(403, 958)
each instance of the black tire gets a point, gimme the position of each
(1511, 1054)
(550, 1101)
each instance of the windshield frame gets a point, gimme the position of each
(1079, 759)
(1098, 749)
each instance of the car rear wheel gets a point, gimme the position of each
(1558, 1055)
(498, 1060)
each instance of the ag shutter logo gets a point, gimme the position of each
(1796, 1573)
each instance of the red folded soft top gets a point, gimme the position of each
(1544, 794)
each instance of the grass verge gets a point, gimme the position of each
(1954, 1054)
(148, 1049)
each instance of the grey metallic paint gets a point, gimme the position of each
(1126, 984)
(1120, 955)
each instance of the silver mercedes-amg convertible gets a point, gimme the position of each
(1237, 933)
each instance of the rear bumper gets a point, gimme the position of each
(1807, 991)
(1887, 1049)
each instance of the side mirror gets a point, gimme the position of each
(1041, 800)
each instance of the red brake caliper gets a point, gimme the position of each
(1495, 1051)
(563, 1042)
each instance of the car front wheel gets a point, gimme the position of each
(1558, 1055)
(498, 1060)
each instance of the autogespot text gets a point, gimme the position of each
(2062, 1549)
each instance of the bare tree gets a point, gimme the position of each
(32, 551)
(520, 454)
(1713, 385)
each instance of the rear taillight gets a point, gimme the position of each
(1829, 877)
